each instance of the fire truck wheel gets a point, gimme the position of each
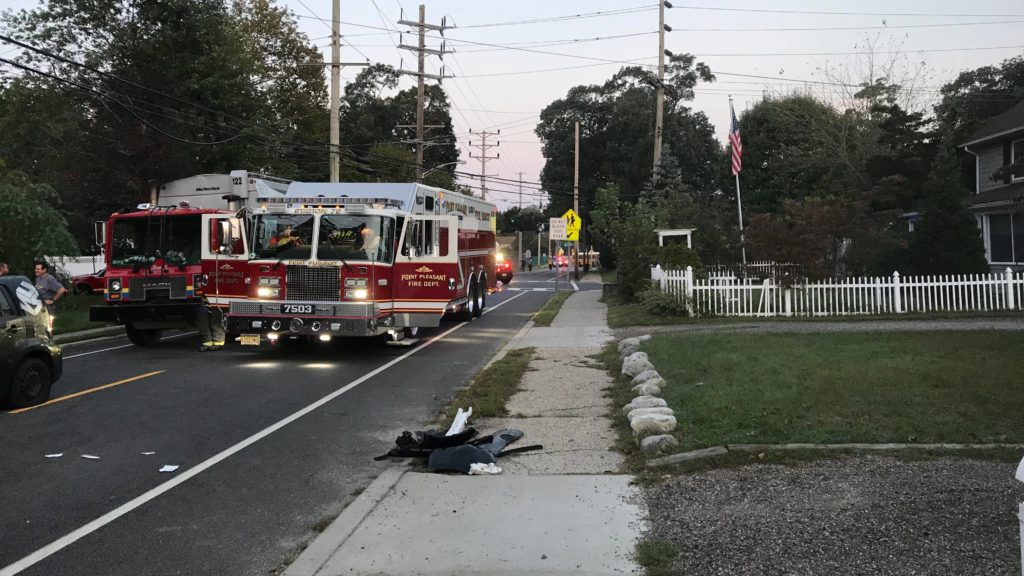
(481, 297)
(142, 336)
(31, 383)
(468, 311)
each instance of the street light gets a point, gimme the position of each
(436, 168)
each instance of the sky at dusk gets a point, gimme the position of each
(507, 70)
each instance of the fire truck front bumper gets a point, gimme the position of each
(183, 313)
(270, 319)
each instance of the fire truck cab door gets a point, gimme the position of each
(225, 258)
(426, 269)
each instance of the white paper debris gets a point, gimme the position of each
(169, 468)
(459, 423)
(1020, 471)
(481, 468)
(148, 453)
(57, 455)
(90, 457)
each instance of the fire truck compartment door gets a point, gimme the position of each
(429, 238)
(223, 238)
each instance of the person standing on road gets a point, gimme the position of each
(211, 327)
(49, 288)
(529, 259)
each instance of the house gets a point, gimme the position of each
(998, 199)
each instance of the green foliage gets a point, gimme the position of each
(616, 139)
(656, 556)
(30, 227)
(677, 256)
(654, 301)
(516, 219)
(946, 241)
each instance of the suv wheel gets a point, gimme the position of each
(31, 383)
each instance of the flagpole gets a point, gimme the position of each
(739, 206)
(739, 199)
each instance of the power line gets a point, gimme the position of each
(832, 28)
(829, 13)
(565, 17)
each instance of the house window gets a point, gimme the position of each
(1006, 238)
(1017, 155)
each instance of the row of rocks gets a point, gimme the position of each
(649, 416)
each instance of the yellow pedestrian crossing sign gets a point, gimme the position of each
(573, 225)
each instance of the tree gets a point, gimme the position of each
(617, 134)
(161, 91)
(32, 225)
(947, 240)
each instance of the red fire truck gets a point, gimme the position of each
(351, 259)
(156, 272)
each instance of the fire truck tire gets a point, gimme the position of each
(481, 296)
(142, 336)
(31, 383)
(468, 311)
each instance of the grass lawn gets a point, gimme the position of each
(491, 388)
(622, 314)
(546, 315)
(73, 313)
(830, 388)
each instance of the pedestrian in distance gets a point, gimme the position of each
(522, 263)
(211, 327)
(4, 270)
(49, 288)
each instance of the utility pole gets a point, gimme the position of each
(660, 112)
(336, 64)
(483, 157)
(576, 201)
(521, 190)
(421, 51)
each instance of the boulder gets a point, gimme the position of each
(655, 444)
(657, 382)
(656, 410)
(645, 376)
(652, 424)
(646, 389)
(635, 342)
(636, 363)
(644, 402)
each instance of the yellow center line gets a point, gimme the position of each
(89, 391)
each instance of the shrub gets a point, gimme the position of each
(655, 301)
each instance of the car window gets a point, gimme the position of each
(6, 304)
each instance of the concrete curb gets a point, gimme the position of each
(327, 542)
(714, 451)
(90, 335)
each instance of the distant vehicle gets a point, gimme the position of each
(29, 360)
(503, 271)
(559, 261)
(89, 283)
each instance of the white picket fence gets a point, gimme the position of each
(845, 296)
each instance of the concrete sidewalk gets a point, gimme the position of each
(561, 510)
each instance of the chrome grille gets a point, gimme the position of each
(157, 288)
(306, 283)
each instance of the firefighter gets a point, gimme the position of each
(211, 326)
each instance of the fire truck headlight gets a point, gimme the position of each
(358, 294)
(265, 292)
(115, 285)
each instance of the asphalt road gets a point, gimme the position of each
(270, 443)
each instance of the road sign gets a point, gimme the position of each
(572, 220)
(557, 228)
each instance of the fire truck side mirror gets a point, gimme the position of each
(100, 231)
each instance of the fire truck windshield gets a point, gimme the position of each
(283, 236)
(356, 238)
(142, 240)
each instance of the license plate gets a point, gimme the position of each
(296, 308)
(250, 339)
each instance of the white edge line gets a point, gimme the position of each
(145, 497)
(574, 286)
(125, 346)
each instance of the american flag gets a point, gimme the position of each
(735, 142)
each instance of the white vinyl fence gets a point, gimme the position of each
(845, 296)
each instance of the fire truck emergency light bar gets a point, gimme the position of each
(327, 201)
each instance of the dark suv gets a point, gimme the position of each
(29, 360)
